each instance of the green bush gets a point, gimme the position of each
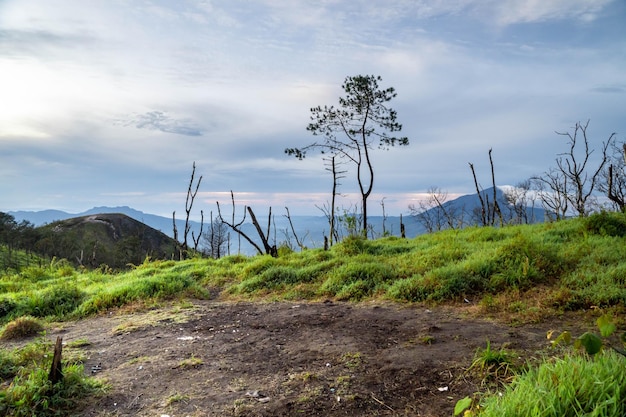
(606, 224)
(522, 263)
(32, 394)
(272, 278)
(358, 279)
(35, 273)
(165, 285)
(56, 301)
(8, 364)
(412, 289)
(351, 246)
(7, 308)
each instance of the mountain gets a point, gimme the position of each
(39, 218)
(112, 239)
(309, 229)
(468, 206)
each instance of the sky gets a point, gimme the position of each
(110, 102)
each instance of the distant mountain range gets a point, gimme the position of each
(309, 229)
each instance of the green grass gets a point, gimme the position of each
(579, 262)
(30, 393)
(573, 386)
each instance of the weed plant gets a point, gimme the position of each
(494, 365)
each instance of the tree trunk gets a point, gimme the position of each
(56, 370)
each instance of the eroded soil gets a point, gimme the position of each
(286, 359)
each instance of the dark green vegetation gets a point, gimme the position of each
(521, 273)
(107, 240)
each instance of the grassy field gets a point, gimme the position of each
(522, 273)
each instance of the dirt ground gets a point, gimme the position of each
(210, 358)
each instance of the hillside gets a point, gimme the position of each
(111, 239)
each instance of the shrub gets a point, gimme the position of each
(32, 394)
(413, 289)
(161, 286)
(351, 245)
(8, 364)
(272, 278)
(7, 307)
(357, 279)
(34, 273)
(606, 224)
(22, 327)
(56, 301)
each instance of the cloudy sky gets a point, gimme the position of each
(110, 102)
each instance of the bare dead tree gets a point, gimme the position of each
(488, 210)
(191, 196)
(293, 230)
(237, 226)
(483, 205)
(574, 168)
(382, 204)
(433, 213)
(552, 188)
(267, 248)
(496, 205)
(216, 237)
(331, 217)
(232, 199)
(520, 201)
(614, 181)
(337, 175)
(178, 247)
(196, 240)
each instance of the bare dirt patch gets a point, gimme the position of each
(285, 359)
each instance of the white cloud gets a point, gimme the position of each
(230, 84)
(508, 12)
(529, 11)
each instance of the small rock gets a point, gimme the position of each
(253, 394)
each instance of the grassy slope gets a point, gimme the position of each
(575, 264)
